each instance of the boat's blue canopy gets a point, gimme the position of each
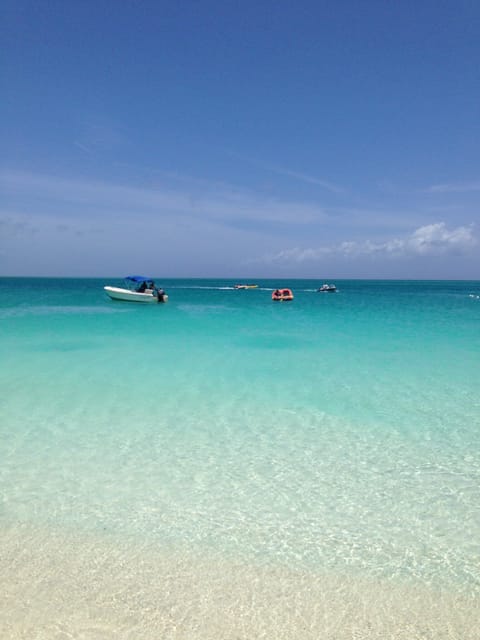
(139, 279)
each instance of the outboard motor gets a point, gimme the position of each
(161, 295)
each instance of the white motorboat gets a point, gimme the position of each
(137, 289)
(327, 288)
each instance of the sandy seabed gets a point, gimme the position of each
(59, 586)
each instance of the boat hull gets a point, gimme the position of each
(125, 295)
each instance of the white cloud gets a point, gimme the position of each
(226, 223)
(430, 240)
(436, 239)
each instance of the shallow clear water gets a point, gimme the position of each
(338, 431)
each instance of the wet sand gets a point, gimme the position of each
(58, 586)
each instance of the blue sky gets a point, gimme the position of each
(240, 139)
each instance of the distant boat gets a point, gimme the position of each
(327, 288)
(282, 295)
(245, 286)
(137, 289)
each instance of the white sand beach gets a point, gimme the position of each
(58, 586)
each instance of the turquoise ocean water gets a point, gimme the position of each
(338, 431)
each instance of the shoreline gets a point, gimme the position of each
(58, 585)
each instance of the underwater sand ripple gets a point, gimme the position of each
(57, 586)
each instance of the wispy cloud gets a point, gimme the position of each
(221, 204)
(460, 187)
(99, 134)
(296, 175)
(430, 240)
(82, 146)
(303, 177)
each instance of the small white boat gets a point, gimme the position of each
(327, 288)
(138, 289)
